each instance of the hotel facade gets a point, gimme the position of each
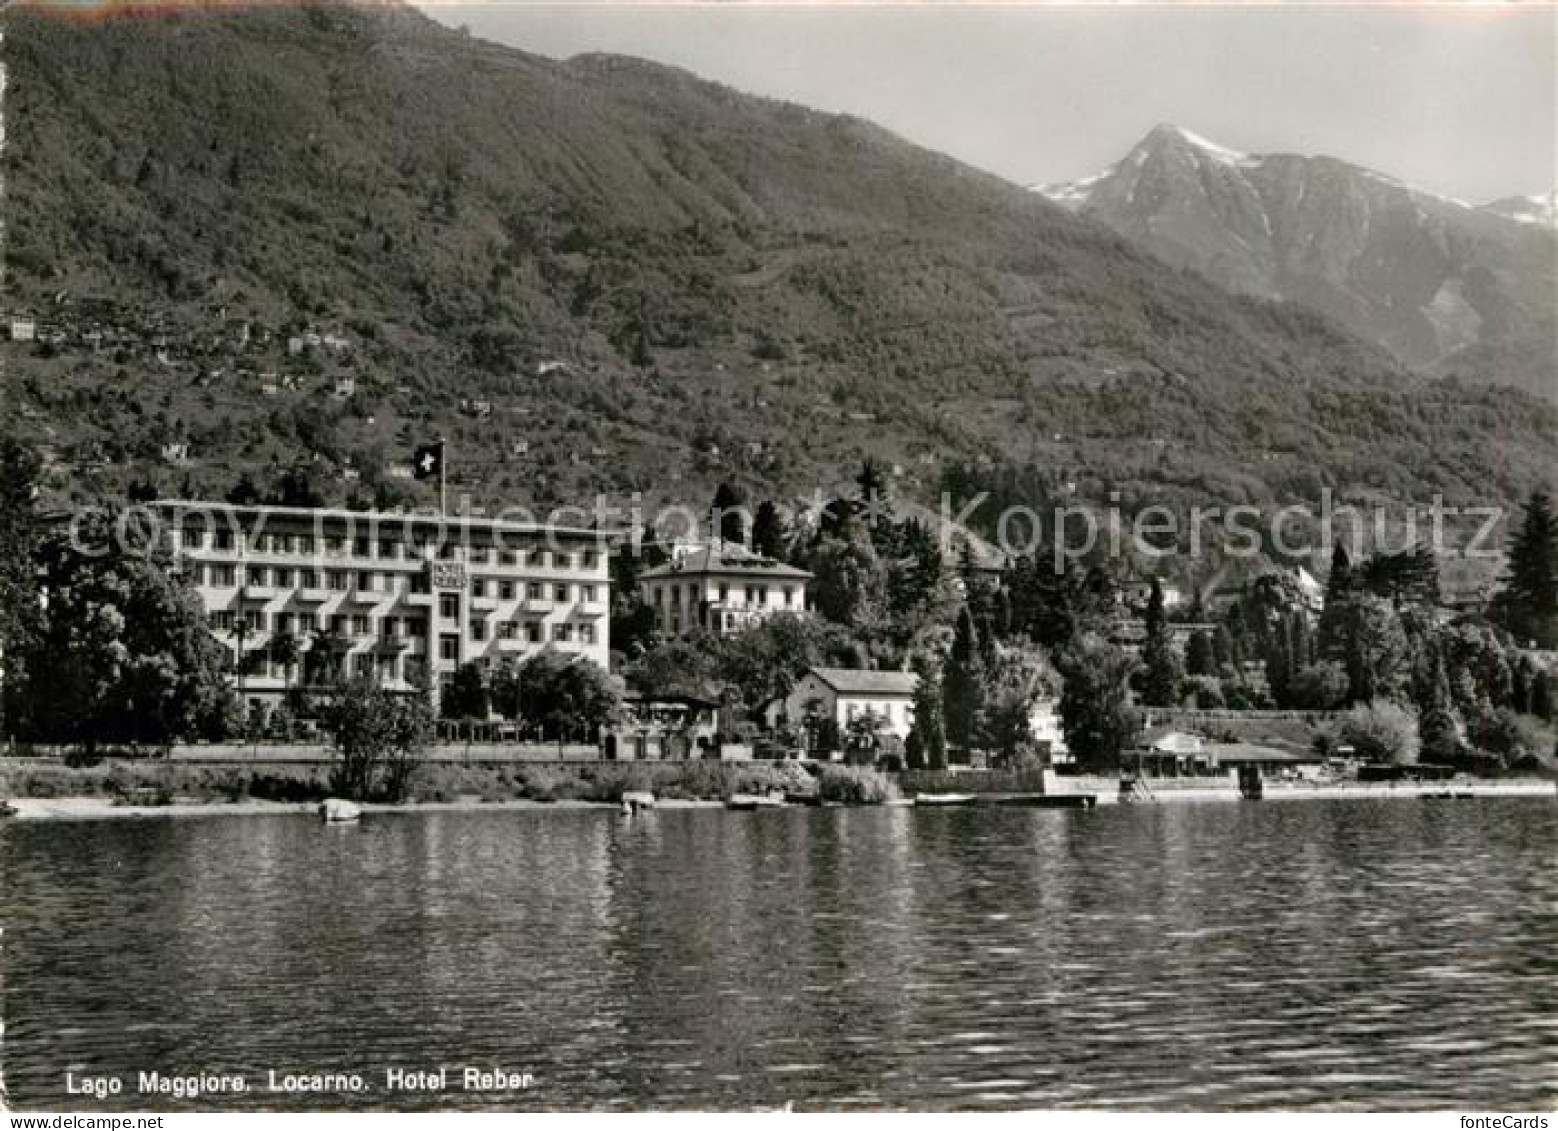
(404, 599)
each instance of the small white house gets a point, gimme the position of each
(848, 694)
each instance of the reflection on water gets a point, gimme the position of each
(1347, 954)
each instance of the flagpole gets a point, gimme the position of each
(443, 482)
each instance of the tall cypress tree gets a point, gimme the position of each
(962, 685)
(1528, 607)
(1160, 669)
(1338, 596)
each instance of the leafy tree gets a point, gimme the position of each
(1382, 731)
(1094, 705)
(850, 581)
(728, 516)
(244, 493)
(1160, 667)
(1017, 679)
(1200, 655)
(123, 653)
(21, 611)
(1528, 604)
(567, 696)
(1367, 638)
(379, 740)
(962, 686)
(297, 488)
(1320, 686)
(468, 696)
(768, 534)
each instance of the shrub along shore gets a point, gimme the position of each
(142, 784)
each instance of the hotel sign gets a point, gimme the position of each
(448, 575)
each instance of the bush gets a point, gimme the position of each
(854, 785)
(1381, 731)
(1320, 687)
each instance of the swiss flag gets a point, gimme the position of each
(428, 461)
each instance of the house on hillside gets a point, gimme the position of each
(847, 694)
(723, 587)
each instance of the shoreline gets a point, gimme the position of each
(87, 808)
(96, 808)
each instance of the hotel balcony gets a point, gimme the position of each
(485, 601)
(367, 596)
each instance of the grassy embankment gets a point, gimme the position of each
(167, 783)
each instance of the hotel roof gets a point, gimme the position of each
(450, 522)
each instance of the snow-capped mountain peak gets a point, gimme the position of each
(1539, 210)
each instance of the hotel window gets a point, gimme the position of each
(308, 579)
(449, 647)
(478, 587)
(390, 628)
(224, 539)
(587, 593)
(389, 551)
(564, 561)
(479, 630)
(222, 621)
(789, 596)
(305, 543)
(657, 594)
(533, 590)
(506, 630)
(448, 606)
(481, 554)
(509, 558)
(364, 665)
(284, 543)
(360, 547)
(366, 581)
(587, 634)
(562, 632)
(335, 547)
(284, 623)
(194, 538)
(589, 560)
(256, 575)
(533, 631)
(338, 624)
(446, 551)
(506, 590)
(359, 625)
(336, 579)
(222, 575)
(283, 577)
(419, 584)
(724, 592)
(559, 592)
(387, 669)
(307, 622)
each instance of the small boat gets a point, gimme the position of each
(943, 799)
(7, 809)
(336, 811)
(635, 799)
(1049, 800)
(748, 802)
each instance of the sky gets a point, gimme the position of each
(1459, 100)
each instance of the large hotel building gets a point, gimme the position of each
(402, 598)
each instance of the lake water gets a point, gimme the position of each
(1349, 954)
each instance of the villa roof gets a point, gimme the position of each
(861, 681)
(726, 558)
